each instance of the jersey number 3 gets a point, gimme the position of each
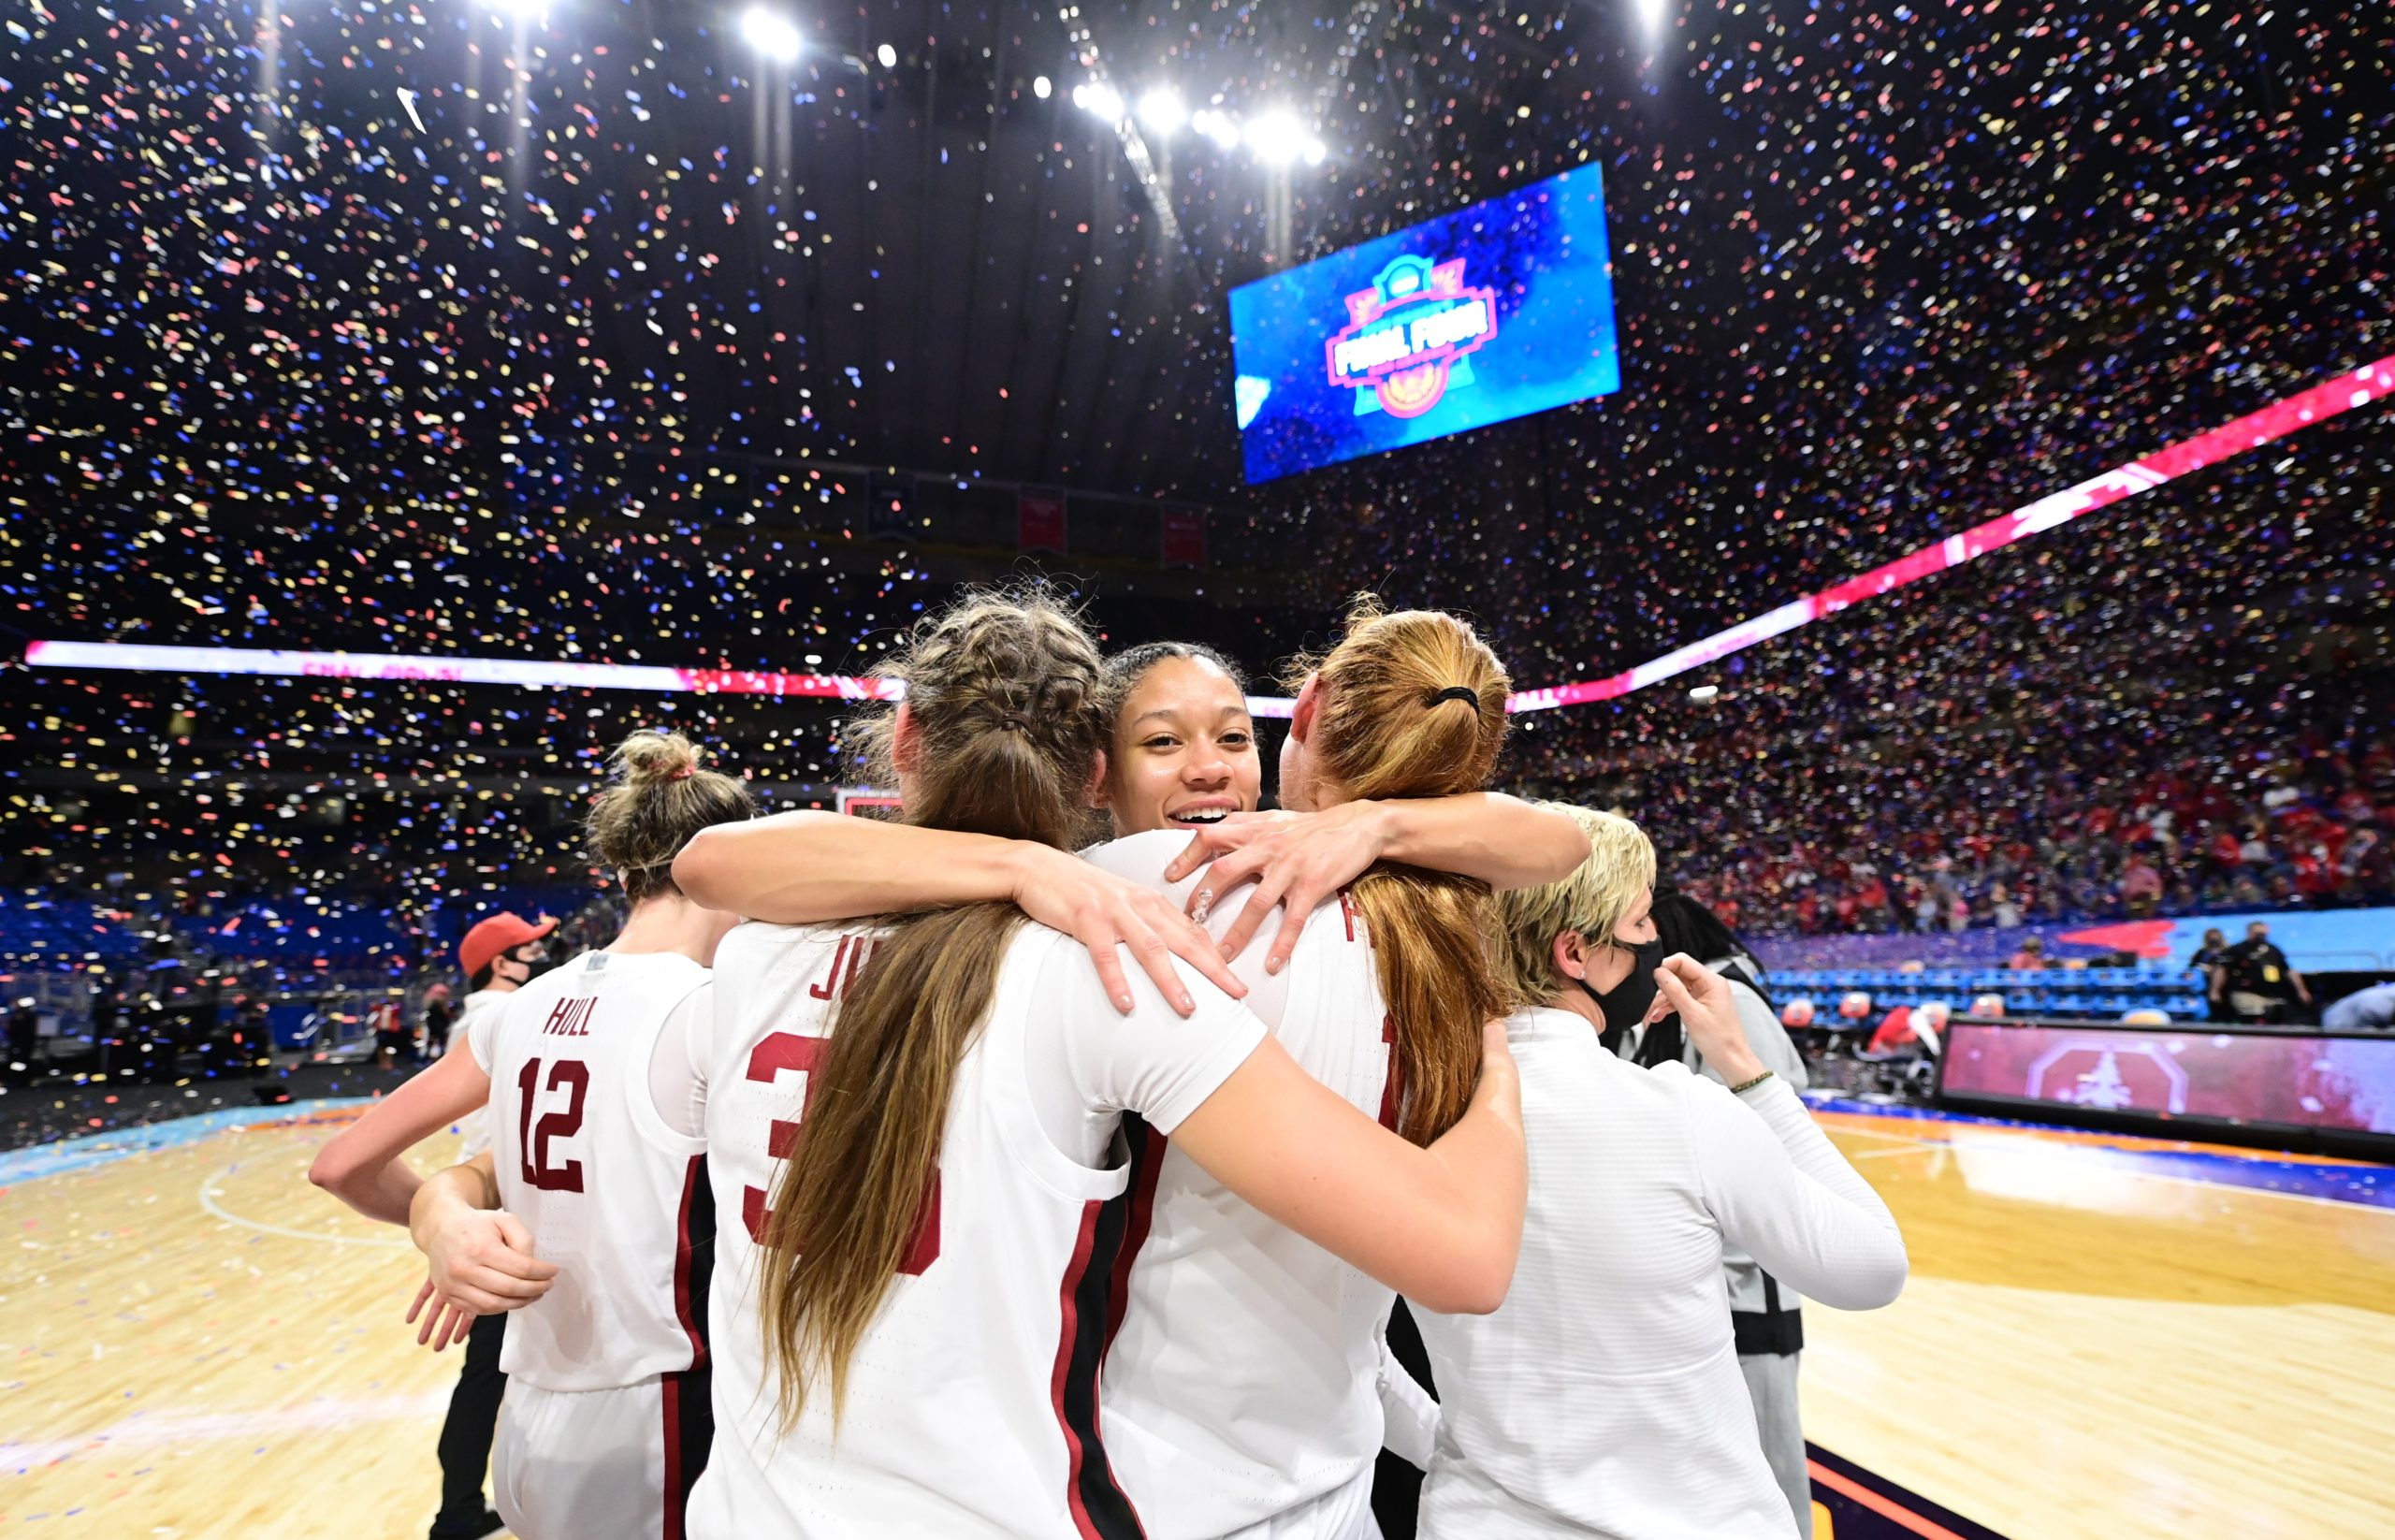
(532, 1140)
(797, 1054)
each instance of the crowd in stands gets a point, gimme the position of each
(1881, 275)
(2185, 707)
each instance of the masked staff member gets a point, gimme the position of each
(501, 956)
(1603, 1396)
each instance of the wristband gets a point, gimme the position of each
(1744, 1086)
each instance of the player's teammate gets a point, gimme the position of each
(606, 1419)
(1244, 1392)
(911, 1316)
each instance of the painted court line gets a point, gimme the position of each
(207, 1191)
(2026, 1147)
(173, 1427)
(1854, 1492)
(86, 1151)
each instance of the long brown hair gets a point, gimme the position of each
(659, 801)
(1411, 704)
(1002, 695)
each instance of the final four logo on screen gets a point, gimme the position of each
(1410, 337)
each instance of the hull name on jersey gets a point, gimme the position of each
(571, 1017)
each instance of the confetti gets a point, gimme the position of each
(401, 328)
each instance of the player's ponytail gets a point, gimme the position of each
(658, 802)
(1002, 703)
(1412, 704)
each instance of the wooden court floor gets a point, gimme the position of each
(199, 1344)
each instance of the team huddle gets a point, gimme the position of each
(859, 1187)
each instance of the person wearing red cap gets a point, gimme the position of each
(502, 953)
(605, 1420)
(499, 955)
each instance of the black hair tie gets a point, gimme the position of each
(1453, 692)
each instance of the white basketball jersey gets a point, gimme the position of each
(1244, 1382)
(972, 1401)
(477, 1011)
(612, 1196)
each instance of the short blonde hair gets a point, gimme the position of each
(1594, 901)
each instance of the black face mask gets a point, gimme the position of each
(1625, 1005)
(534, 966)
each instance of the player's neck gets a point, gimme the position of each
(669, 923)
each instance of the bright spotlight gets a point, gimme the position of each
(771, 34)
(1650, 12)
(1221, 127)
(522, 10)
(1275, 138)
(1041, 88)
(888, 56)
(1161, 109)
(1316, 152)
(1099, 99)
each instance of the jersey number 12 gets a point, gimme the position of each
(532, 1140)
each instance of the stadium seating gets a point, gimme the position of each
(2099, 993)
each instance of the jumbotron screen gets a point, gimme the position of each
(2284, 1080)
(1491, 313)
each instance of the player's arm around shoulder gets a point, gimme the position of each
(1440, 1224)
(1295, 861)
(813, 867)
(1503, 840)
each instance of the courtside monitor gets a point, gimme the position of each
(1488, 313)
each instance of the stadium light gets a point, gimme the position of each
(1276, 137)
(1316, 152)
(1221, 127)
(1650, 13)
(1100, 100)
(771, 34)
(521, 10)
(888, 56)
(1041, 88)
(1161, 109)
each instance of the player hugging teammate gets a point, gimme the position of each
(1016, 1240)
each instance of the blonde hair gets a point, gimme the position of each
(657, 802)
(1411, 704)
(1001, 694)
(1594, 900)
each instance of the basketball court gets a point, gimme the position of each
(2103, 1336)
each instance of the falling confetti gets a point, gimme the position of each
(406, 329)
